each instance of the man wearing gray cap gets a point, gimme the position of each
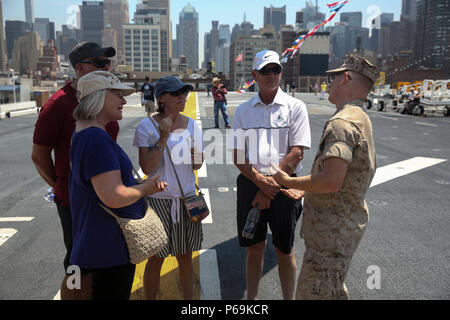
(53, 132)
(335, 213)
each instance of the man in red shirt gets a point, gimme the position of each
(220, 102)
(53, 132)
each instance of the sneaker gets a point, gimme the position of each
(216, 127)
(228, 127)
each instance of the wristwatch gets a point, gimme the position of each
(158, 147)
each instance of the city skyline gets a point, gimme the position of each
(62, 12)
(14, 10)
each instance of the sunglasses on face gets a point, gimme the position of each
(179, 92)
(331, 77)
(270, 70)
(98, 63)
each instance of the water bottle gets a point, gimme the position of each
(251, 223)
(49, 195)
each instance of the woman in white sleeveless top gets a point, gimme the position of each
(181, 135)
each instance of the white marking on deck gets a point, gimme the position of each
(402, 168)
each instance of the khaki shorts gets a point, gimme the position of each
(149, 106)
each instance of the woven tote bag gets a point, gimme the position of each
(144, 237)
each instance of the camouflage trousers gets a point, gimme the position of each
(322, 276)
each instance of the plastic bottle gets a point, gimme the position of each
(49, 195)
(251, 223)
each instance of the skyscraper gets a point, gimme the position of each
(26, 53)
(44, 28)
(379, 38)
(432, 34)
(109, 39)
(224, 33)
(223, 51)
(91, 16)
(353, 19)
(3, 56)
(312, 17)
(29, 11)
(275, 16)
(187, 36)
(408, 24)
(13, 30)
(248, 46)
(246, 28)
(299, 21)
(150, 11)
(116, 13)
(409, 9)
(212, 42)
(143, 46)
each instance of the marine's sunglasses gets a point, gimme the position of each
(276, 69)
(179, 92)
(98, 63)
(331, 77)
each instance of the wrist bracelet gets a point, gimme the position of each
(157, 146)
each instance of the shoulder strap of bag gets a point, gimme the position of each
(108, 210)
(137, 174)
(170, 158)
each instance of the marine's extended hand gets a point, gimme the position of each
(294, 193)
(279, 175)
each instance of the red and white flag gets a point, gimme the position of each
(239, 58)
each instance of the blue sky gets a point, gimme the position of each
(226, 12)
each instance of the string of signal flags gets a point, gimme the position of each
(289, 53)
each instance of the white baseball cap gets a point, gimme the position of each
(100, 80)
(265, 57)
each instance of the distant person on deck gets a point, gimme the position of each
(148, 97)
(220, 102)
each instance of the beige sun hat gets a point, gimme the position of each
(100, 80)
(215, 80)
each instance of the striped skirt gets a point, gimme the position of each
(183, 236)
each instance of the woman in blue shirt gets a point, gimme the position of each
(101, 173)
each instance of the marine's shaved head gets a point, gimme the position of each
(361, 81)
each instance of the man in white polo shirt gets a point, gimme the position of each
(274, 127)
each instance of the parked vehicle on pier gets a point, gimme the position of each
(380, 98)
(436, 97)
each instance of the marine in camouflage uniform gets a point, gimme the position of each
(334, 222)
